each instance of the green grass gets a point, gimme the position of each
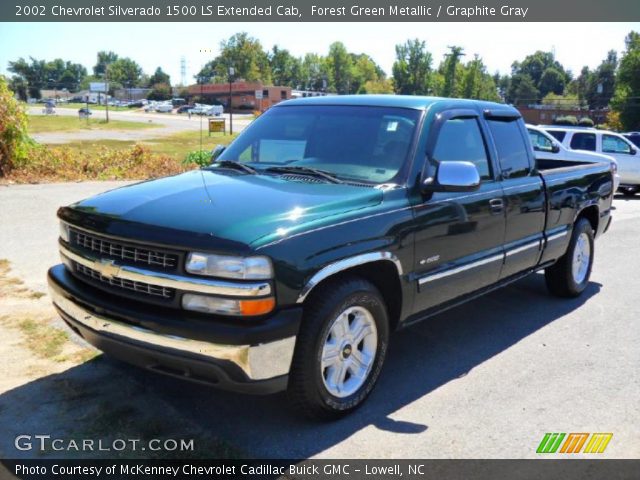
(94, 107)
(42, 123)
(176, 146)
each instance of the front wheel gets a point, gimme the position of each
(569, 276)
(340, 348)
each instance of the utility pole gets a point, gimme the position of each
(231, 74)
(106, 95)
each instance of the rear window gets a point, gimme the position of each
(584, 141)
(511, 146)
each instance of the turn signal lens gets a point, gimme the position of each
(227, 306)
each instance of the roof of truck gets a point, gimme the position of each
(399, 101)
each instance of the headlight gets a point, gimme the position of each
(227, 306)
(64, 231)
(249, 268)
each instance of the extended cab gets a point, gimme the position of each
(327, 224)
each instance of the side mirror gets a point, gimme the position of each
(555, 148)
(216, 152)
(453, 177)
(633, 151)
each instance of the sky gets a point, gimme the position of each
(163, 44)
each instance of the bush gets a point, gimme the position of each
(585, 122)
(14, 139)
(46, 163)
(568, 120)
(202, 158)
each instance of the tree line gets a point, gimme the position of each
(538, 78)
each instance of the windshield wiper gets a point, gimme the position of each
(330, 177)
(234, 165)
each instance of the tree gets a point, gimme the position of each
(551, 81)
(601, 83)
(159, 78)
(382, 85)
(247, 57)
(522, 90)
(160, 91)
(124, 71)
(562, 101)
(30, 77)
(451, 70)
(477, 83)
(285, 68)
(104, 59)
(364, 71)
(339, 66)
(412, 69)
(546, 73)
(626, 100)
(314, 72)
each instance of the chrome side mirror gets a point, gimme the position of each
(453, 177)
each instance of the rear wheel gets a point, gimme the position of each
(628, 191)
(340, 348)
(569, 276)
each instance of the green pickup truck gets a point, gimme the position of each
(327, 224)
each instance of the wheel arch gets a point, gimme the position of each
(592, 214)
(382, 269)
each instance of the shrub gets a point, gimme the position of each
(202, 158)
(568, 120)
(585, 122)
(14, 139)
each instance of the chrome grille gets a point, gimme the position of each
(125, 252)
(138, 287)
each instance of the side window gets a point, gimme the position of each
(611, 144)
(540, 142)
(460, 139)
(511, 146)
(584, 141)
(557, 134)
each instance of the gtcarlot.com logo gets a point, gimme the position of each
(574, 442)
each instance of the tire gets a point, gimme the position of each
(333, 315)
(569, 276)
(629, 192)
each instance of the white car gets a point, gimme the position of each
(163, 107)
(546, 146)
(608, 143)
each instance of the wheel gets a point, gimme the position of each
(340, 348)
(628, 191)
(569, 276)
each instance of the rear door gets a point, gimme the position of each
(524, 194)
(459, 235)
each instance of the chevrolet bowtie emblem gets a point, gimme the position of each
(107, 268)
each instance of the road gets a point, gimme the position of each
(169, 124)
(485, 380)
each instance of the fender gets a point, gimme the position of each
(345, 264)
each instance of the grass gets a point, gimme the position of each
(175, 146)
(48, 123)
(45, 341)
(92, 106)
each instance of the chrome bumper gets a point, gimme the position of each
(258, 362)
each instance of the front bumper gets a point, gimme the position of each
(210, 354)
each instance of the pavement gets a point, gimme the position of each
(166, 124)
(485, 380)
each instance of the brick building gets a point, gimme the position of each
(243, 94)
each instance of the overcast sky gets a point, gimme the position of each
(163, 44)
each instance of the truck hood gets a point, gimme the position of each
(227, 206)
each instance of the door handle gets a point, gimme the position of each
(496, 205)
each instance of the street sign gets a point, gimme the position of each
(258, 94)
(98, 87)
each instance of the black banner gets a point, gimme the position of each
(543, 469)
(318, 11)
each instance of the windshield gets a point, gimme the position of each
(364, 144)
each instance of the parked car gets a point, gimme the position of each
(545, 146)
(84, 112)
(214, 110)
(185, 108)
(330, 222)
(634, 137)
(163, 107)
(608, 143)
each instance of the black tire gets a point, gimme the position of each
(307, 390)
(560, 277)
(628, 192)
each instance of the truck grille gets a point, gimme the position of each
(118, 250)
(138, 287)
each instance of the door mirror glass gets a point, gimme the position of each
(555, 148)
(453, 177)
